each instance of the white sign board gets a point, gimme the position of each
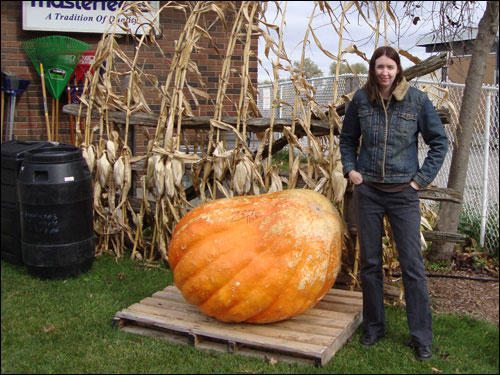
(81, 16)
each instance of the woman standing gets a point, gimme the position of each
(387, 114)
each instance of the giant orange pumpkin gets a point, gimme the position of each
(257, 259)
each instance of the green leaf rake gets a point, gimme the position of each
(54, 58)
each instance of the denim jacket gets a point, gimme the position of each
(389, 137)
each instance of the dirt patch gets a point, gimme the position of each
(455, 292)
(464, 296)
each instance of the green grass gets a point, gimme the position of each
(65, 326)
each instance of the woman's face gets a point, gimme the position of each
(386, 70)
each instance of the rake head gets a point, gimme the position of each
(59, 56)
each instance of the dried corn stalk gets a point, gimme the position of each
(208, 166)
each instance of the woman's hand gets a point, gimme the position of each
(355, 177)
(414, 185)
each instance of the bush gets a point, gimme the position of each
(470, 225)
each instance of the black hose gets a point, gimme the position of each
(452, 277)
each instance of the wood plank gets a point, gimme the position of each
(215, 330)
(440, 194)
(256, 125)
(332, 329)
(341, 339)
(313, 336)
(264, 330)
(344, 293)
(331, 312)
(444, 236)
(323, 308)
(330, 319)
(329, 326)
(324, 318)
(217, 346)
(342, 300)
(333, 295)
(333, 319)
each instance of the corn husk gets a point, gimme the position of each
(150, 171)
(169, 178)
(177, 166)
(111, 148)
(103, 170)
(220, 162)
(88, 154)
(119, 172)
(159, 177)
(240, 178)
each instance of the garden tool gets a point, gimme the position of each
(13, 87)
(78, 78)
(59, 55)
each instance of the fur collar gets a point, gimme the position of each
(400, 90)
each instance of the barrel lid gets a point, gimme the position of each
(58, 154)
(16, 148)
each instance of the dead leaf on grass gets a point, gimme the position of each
(50, 329)
(272, 361)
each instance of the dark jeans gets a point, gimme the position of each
(403, 211)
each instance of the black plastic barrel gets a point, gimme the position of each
(56, 209)
(12, 158)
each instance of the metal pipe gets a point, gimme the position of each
(484, 207)
(12, 113)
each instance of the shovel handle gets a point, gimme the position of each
(45, 109)
(68, 90)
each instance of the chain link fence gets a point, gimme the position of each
(480, 210)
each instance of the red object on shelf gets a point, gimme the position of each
(83, 67)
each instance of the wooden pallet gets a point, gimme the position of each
(313, 337)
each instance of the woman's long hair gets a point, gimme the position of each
(371, 85)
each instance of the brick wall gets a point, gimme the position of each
(29, 116)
